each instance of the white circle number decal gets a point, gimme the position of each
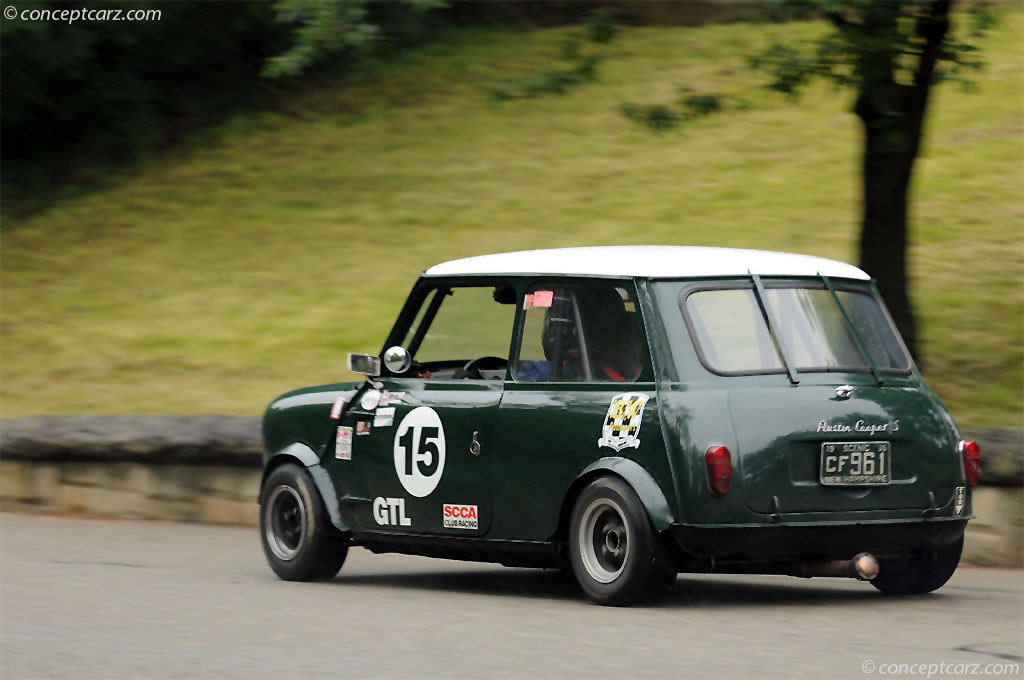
(419, 451)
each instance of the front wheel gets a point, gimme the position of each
(298, 538)
(614, 550)
(921, 572)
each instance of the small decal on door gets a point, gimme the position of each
(459, 516)
(363, 427)
(384, 417)
(343, 443)
(621, 429)
(339, 404)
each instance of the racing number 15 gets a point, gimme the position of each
(426, 456)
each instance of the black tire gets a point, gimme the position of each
(615, 553)
(298, 538)
(920, 572)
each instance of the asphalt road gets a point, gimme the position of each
(108, 599)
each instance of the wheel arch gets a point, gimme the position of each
(303, 456)
(631, 472)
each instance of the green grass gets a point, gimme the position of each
(224, 274)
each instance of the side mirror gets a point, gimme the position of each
(364, 364)
(397, 359)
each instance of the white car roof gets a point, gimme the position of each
(654, 262)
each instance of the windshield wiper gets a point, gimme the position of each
(773, 327)
(853, 330)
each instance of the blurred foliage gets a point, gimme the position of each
(84, 102)
(109, 92)
(904, 44)
(582, 52)
(690, 107)
(323, 29)
(900, 42)
(84, 98)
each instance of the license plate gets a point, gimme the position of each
(856, 463)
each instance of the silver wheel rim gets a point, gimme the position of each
(285, 522)
(604, 540)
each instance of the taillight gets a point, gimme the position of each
(972, 462)
(719, 464)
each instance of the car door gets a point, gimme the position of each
(580, 389)
(422, 444)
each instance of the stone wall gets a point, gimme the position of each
(996, 537)
(214, 494)
(207, 469)
(188, 468)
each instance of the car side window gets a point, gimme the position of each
(579, 333)
(457, 325)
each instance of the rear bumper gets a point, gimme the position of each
(801, 542)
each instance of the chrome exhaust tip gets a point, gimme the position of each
(864, 566)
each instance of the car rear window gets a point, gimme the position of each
(730, 328)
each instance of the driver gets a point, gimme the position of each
(560, 343)
(612, 335)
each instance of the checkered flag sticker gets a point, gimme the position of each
(621, 429)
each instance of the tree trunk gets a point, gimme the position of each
(893, 117)
(883, 241)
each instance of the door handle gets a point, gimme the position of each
(474, 444)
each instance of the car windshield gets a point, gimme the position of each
(731, 328)
(461, 323)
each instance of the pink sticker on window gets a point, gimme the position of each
(542, 298)
(528, 301)
(339, 404)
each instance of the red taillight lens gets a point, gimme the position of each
(719, 463)
(972, 462)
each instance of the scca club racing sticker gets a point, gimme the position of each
(459, 516)
(621, 428)
(419, 451)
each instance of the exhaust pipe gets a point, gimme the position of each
(862, 567)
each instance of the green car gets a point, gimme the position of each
(630, 413)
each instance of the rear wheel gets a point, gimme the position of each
(298, 538)
(921, 572)
(615, 553)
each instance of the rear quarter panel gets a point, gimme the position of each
(548, 435)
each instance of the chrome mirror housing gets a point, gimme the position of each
(397, 359)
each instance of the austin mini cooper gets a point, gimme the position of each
(628, 413)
